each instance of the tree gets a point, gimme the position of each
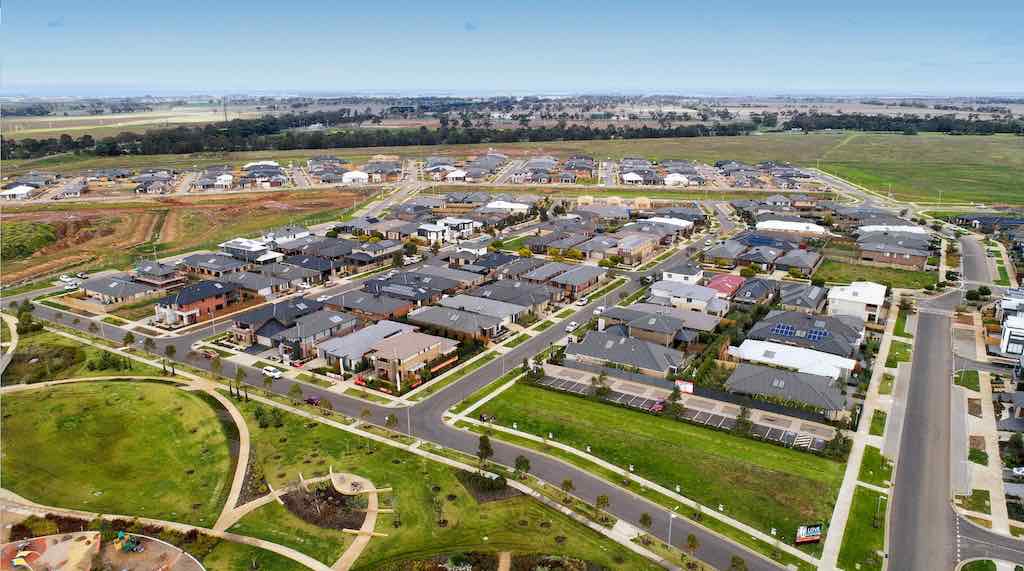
(295, 392)
(484, 450)
(435, 248)
(524, 252)
(568, 487)
(972, 295)
(522, 465)
(170, 351)
(396, 260)
(737, 564)
(743, 424)
(365, 414)
(410, 248)
(240, 377)
(390, 421)
(216, 366)
(148, 344)
(646, 522)
(93, 328)
(692, 545)
(602, 503)
(128, 340)
(984, 291)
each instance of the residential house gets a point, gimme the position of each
(1011, 341)
(296, 276)
(686, 272)
(325, 268)
(802, 262)
(660, 328)
(259, 325)
(838, 335)
(793, 357)
(892, 255)
(726, 285)
(801, 228)
(508, 313)
(692, 320)
(158, 274)
(117, 290)
(347, 352)
(533, 296)
(778, 385)
(457, 323)
(298, 342)
(756, 291)
(724, 254)
(600, 347)
(370, 307)
(759, 257)
(578, 281)
(635, 248)
(863, 300)
(599, 248)
(690, 297)
(405, 360)
(464, 278)
(213, 265)
(252, 251)
(195, 302)
(251, 284)
(545, 273)
(802, 297)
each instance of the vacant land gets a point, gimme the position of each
(132, 448)
(965, 168)
(44, 356)
(421, 488)
(102, 235)
(711, 467)
(865, 531)
(834, 271)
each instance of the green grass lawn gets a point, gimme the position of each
(977, 456)
(229, 556)
(634, 297)
(885, 387)
(1004, 277)
(565, 312)
(979, 501)
(968, 379)
(711, 467)
(543, 325)
(514, 244)
(146, 449)
(875, 468)
(310, 448)
(833, 271)
(862, 539)
(487, 389)
(273, 522)
(877, 427)
(606, 289)
(136, 311)
(901, 324)
(517, 340)
(58, 357)
(980, 565)
(899, 352)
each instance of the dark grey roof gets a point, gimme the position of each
(197, 292)
(607, 346)
(484, 306)
(368, 303)
(317, 263)
(820, 392)
(214, 262)
(286, 271)
(454, 319)
(460, 276)
(756, 289)
(155, 269)
(253, 281)
(547, 271)
(760, 255)
(285, 312)
(835, 334)
(687, 268)
(798, 258)
(313, 324)
(694, 320)
(116, 287)
(729, 250)
(517, 292)
(579, 275)
(802, 295)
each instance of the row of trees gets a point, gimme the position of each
(909, 124)
(275, 133)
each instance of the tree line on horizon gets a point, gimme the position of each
(907, 123)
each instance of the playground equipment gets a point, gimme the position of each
(128, 543)
(20, 560)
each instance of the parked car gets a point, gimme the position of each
(208, 353)
(1018, 471)
(70, 286)
(271, 372)
(571, 327)
(708, 242)
(81, 275)
(582, 301)
(599, 310)
(66, 278)
(323, 298)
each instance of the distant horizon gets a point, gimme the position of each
(875, 48)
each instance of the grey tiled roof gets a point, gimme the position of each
(817, 391)
(606, 346)
(835, 334)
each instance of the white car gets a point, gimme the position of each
(1019, 471)
(582, 301)
(304, 285)
(70, 286)
(599, 310)
(571, 327)
(66, 278)
(271, 372)
(323, 298)
(707, 242)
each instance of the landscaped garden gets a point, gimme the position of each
(710, 466)
(146, 449)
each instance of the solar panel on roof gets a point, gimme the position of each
(816, 334)
(783, 330)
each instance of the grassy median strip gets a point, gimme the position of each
(606, 289)
(877, 427)
(901, 324)
(885, 388)
(517, 340)
(544, 325)
(969, 380)
(455, 376)
(712, 467)
(899, 352)
(487, 389)
(875, 468)
(865, 531)
(979, 501)
(634, 297)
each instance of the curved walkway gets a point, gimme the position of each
(12, 323)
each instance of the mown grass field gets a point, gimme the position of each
(711, 467)
(146, 449)
(273, 522)
(310, 448)
(966, 168)
(834, 271)
(862, 539)
(228, 556)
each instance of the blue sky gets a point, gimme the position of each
(900, 47)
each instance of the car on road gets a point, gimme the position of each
(571, 327)
(1018, 471)
(81, 275)
(648, 280)
(708, 242)
(70, 286)
(582, 301)
(208, 353)
(323, 298)
(271, 372)
(66, 278)
(599, 310)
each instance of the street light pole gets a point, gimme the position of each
(671, 518)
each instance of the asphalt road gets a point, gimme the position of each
(974, 261)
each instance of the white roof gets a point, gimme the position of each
(225, 178)
(1014, 322)
(790, 357)
(632, 176)
(506, 205)
(354, 175)
(860, 292)
(449, 220)
(457, 173)
(260, 163)
(676, 177)
(666, 288)
(247, 244)
(672, 221)
(431, 227)
(20, 189)
(791, 226)
(909, 228)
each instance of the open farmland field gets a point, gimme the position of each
(965, 168)
(110, 124)
(99, 235)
